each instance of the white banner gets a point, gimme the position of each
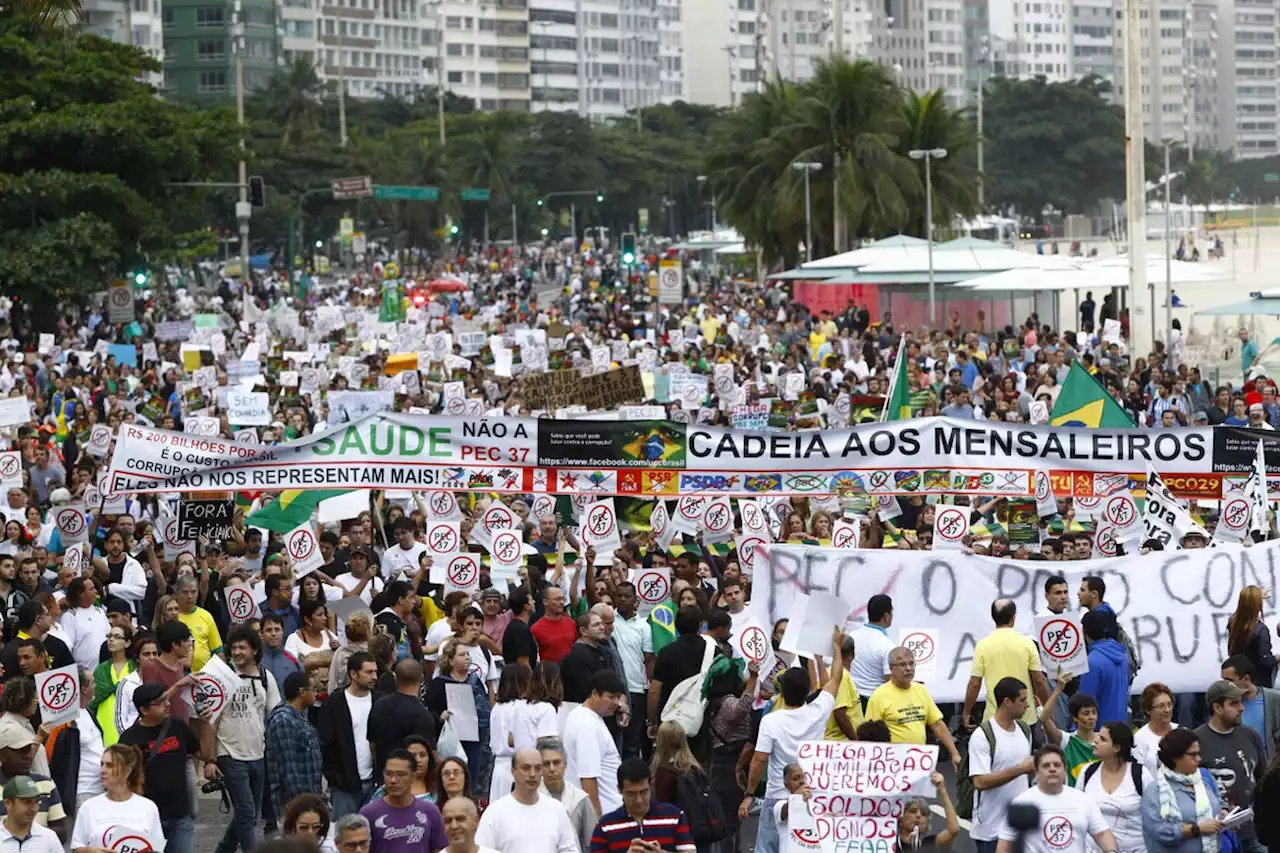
(1173, 604)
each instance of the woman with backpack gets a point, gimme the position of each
(679, 780)
(1116, 783)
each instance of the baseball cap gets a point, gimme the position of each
(147, 694)
(20, 788)
(1199, 416)
(14, 735)
(118, 605)
(361, 552)
(1222, 691)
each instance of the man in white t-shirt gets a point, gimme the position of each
(998, 778)
(870, 667)
(1067, 815)
(524, 821)
(593, 758)
(402, 558)
(781, 733)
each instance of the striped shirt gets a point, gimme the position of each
(664, 824)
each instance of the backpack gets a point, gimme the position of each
(701, 807)
(966, 793)
(1135, 771)
(686, 704)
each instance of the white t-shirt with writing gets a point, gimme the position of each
(593, 754)
(781, 733)
(989, 806)
(1067, 819)
(97, 815)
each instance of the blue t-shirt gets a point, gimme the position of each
(1255, 715)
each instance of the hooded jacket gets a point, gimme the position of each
(1108, 679)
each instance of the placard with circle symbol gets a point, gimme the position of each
(99, 439)
(717, 518)
(1120, 511)
(11, 467)
(1235, 515)
(950, 525)
(443, 504)
(1059, 832)
(653, 587)
(1061, 642)
(747, 546)
(689, 510)
(1043, 486)
(121, 297)
(301, 544)
(208, 694)
(456, 406)
(1086, 507)
(462, 572)
(507, 549)
(844, 535)
(1105, 540)
(600, 527)
(923, 646)
(120, 839)
(72, 524)
(444, 537)
(59, 693)
(752, 517)
(753, 643)
(240, 603)
(498, 517)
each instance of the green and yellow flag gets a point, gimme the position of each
(1083, 402)
(897, 406)
(291, 508)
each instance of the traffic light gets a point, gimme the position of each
(257, 192)
(140, 277)
(539, 202)
(629, 248)
(599, 195)
(453, 229)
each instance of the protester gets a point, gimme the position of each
(121, 803)
(582, 814)
(1231, 752)
(1157, 704)
(1004, 653)
(640, 817)
(504, 826)
(401, 822)
(1000, 763)
(1065, 816)
(1116, 782)
(21, 802)
(1180, 812)
(1077, 744)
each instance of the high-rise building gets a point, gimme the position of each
(199, 53)
(135, 22)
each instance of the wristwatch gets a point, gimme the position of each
(1195, 830)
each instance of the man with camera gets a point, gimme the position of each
(241, 739)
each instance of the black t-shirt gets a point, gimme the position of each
(391, 719)
(577, 669)
(680, 659)
(518, 642)
(165, 778)
(55, 650)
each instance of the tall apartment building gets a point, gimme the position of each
(199, 54)
(135, 22)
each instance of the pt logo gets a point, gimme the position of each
(1059, 832)
(301, 544)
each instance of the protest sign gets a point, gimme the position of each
(717, 520)
(1165, 518)
(1061, 642)
(210, 519)
(302, 548)
(443, 537)
(174, 544)
(923, 645)
(599, 529)
(120, 302)
(950, 527)
(240, 604)
(457, 571)
(14, 411)
(10, 470)
(845, 533)
(215, 685)
(248, 408)
(99, 440)
(58, 692)
(119, 838)
(558, 389)
(1174, 605)
(73, 522)
(653, 586)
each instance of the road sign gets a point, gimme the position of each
(475, 194)
(360, 186)
(1271, 177)
(670, 282)
(407, 193)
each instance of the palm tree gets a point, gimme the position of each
(48, 17)
(928, 122)
(484, 145)
(296, 96)
(850, 121)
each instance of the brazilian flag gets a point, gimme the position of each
(898, 405)
(1083, 402)
(291, 508)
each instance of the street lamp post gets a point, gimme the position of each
(928, 155)
(807, 168)
(1168, 260)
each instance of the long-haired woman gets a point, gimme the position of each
(121, 804)
(513, 687)
(1247, 635)
(673, 760)
(107, 676)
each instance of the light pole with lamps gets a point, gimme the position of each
(807, 168)
(928, 155)
(1168, 260)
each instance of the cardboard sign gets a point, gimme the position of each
(609, 389)
(99, 440)
(249, 408)
(599, 527)
(1061, 642)
(240, 604)
(303, 550)
(211, 519)
(73, 523)
(10, 470)
(58, 692)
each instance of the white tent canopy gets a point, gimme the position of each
(1098, 275)
(966, 254)
(888, 249)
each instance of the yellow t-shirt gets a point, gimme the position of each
(906, 712)
(846, 697)
(205, 633)
(430, 612)
(1004, 653)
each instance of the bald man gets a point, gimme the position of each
(1004, 653)
(525, 821)
(460, 822)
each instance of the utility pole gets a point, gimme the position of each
(515, 226)
(440, 75)
(837, 28)
(1141, 326)
(342, 88)
(243, 210)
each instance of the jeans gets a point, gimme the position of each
(244, 780)
(635, 740)
(348, 802)
(475, 768)
(179, 834)
(767, 840)
(985, 846)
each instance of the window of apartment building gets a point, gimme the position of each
(513, 81)
(747, 28)
(609, 45)
(611, 96)
(747, 75)
(488, 104)
(210, 16)
(166, 16)
(468, 77)
(608, 21)
(455, 76)
(552, 16)
(488, 51)
(211, 81)
(513, 28)
(211, 50)
(747, 5)
(453, 22)
(609, 69)
(488, 78)
(453, 49)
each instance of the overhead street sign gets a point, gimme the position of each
(407, 193)
(360, 186)
(473, 194)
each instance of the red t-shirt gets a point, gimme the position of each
(155, 672)
(555, 637)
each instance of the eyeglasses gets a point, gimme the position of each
(1190, 754)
